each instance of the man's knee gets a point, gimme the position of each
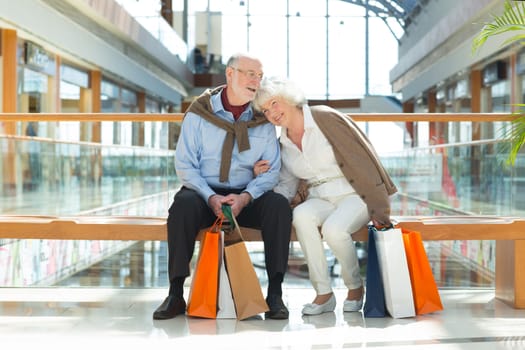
(185, 201)
(278, 203)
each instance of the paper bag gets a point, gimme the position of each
(203, 293)
(394, 273)
(226, 307)
(246, 289)
(375, 294)
(424, 288)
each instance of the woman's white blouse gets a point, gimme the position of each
(316, 164)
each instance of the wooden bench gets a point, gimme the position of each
(509, 233)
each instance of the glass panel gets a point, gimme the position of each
(94, 179)
(273, 53)
(458, 179)
(308, 70)
(147, 13)
(84, 178)
(267, 8)
(462, 179)
(307, 8)
(347, 73)
(42, 176)
(382, 57)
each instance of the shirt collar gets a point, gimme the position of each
(218, 108)
(309, 123)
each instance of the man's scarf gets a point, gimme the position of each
(237, 130)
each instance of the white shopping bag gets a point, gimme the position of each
(394, 273)
(225, 304)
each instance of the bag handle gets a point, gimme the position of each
(217, 225)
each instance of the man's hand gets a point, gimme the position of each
(237, 201)
(215, 203)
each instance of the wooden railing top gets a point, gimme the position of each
(177, 117)
(154, 228)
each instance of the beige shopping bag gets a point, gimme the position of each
(246, 289)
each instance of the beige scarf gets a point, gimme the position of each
(238, 130)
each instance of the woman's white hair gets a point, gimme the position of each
(278, 87)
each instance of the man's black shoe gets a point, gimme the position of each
(277, 309)
(171, 307)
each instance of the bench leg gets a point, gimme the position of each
(510, 279)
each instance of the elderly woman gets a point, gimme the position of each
(347, 186)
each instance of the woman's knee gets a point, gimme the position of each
(334, 232)
(302, 214)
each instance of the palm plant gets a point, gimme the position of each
(512, 19)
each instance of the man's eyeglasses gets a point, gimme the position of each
(250, 74)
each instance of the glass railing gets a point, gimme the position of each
(457, 179)
(66, 178)
(55, 178)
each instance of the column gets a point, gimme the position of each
(8, 48)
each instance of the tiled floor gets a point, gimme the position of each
(111, 318)
(110, 305)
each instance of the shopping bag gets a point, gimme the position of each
(375, 294)
(246, 289)
(226, 307)
(424, 288)
(394, 272)
(202, 301)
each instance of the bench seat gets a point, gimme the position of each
(509, 232)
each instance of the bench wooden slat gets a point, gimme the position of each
(154, 228)
(510, 233)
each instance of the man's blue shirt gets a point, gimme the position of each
(199, 149)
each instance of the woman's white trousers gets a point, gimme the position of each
(338, 218)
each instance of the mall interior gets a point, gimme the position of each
(92, 96)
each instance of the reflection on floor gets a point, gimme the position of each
(86, 318)
(111, 304)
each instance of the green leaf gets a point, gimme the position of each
(512, 19)
(515, 135)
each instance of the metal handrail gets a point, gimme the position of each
(177, 117)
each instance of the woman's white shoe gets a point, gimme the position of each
(352, 305)
(317, 309)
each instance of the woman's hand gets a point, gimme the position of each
(382, 225)
(260, 167)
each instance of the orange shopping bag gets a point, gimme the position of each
(424, 288)
(204, 287)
